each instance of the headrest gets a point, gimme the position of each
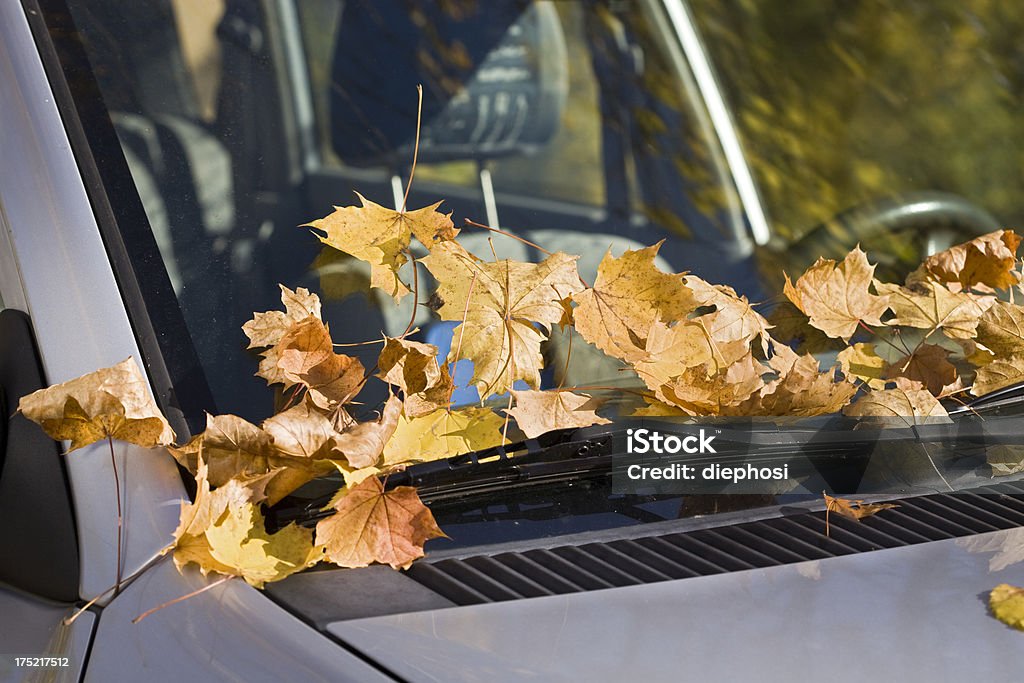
(494, 76)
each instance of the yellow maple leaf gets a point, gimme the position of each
(507, 308)
(985, 263)
(734, 320)
(836, 298)
(709, 389)
(671, 350)
(628, 296)
(1001, 329)
(898, 407)
(860, 361)
(931, 306)
(111, 402)
(801, 390)
(1007, 605)
(371, 525)
(266, 329)
(380, 236)
(998, 374)
(539, 412)
(443, 434)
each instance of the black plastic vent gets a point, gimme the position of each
(763, 543)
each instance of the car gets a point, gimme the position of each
(162, 159)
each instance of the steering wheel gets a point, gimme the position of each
(898, 232)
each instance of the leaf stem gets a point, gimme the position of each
(525, 241)
(416, 145)
(120, 518)
(180, 599)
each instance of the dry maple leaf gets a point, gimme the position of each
(112, 402)
(1007, 605)
(507, 308)
(363, 443)
(860, 361)
(986, 263)
(1001, 329)
(307, 357)
(380, 236)
(898, 407)
(835, 298)
(371, 525)
(628, 296)
(301, 432)
(801, 390)
(852, 509)
(672, 350)
(443, 434)
(998, 374)
(709, 390)
(928, 364)
(266, 329)
(539, 412)
(734, 318)
(413, 368)
(931, 306)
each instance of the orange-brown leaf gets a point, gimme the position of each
(371, 525)
(539, 412)
(852, 509)
(928, 364)
(984, 263)
(307, 357)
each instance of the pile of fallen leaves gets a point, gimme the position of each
(700, 349)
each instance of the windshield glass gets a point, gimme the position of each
(584, 127)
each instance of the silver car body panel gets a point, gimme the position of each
(914, 613)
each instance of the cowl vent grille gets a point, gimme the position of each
(749, 545)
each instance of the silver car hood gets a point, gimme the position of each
(911, 613)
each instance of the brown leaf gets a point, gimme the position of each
(931, 306)
(671, 351)
(734, 318)
(628, 296)
(835, 298)
(852, 509)
(984, 263)
(790, 324)
(898, 407)
(928, 364)
(380, 236)
(413, 367)
(363, 444)
(709, 390)
(112, 402)
(539, 412)
(307, 357)
(509, 307)
(301, 432)
(371, 525)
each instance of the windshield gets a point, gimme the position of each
(579, 126)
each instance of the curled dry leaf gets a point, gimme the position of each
(380, 236)
(1007, 605)
(898, 407)
(539, 412)
(734, 320)
(371, 525)
(801, 390)
(836, 298)
(112, 402)
(709, 389)
(307, 357)
(301, 432)
(986, 263)
(852, 509)
(671, 350)
(443, 434)
(412, 367)
(223, 532)
(363, 443)
(628, 296)
(266, 330)
(506, 308)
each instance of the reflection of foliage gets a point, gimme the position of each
(843, 102)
